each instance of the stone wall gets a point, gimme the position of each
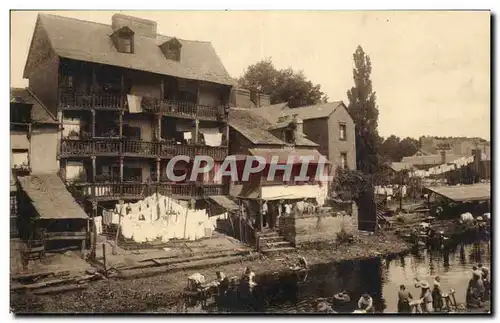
(323, 227)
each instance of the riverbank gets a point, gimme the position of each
(149, 293)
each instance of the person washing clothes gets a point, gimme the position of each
(404, 298)
(365, 303)
(437, 298)
(426, 298)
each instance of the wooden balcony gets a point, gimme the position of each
(137, 190)
(87, 101)
(181, 109)
(137, 148)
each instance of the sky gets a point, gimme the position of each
(430, 70)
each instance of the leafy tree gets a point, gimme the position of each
(350, 184)
(393, 149)
(285, 85)
(364, 111)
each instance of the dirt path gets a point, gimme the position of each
(146, 294)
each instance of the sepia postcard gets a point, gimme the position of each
(334, 162)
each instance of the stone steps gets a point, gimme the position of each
(271, 242)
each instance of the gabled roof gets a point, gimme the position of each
(323, 110)
(91, 42)
(124, 30)
(39, 114)
(252, 126)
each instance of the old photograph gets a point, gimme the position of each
(332, 162)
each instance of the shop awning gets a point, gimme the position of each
(225, 202)
(50, 198)
(464, 193)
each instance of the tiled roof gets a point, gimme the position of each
(273, 112)
(91, 42)
(50, 198)
(252, 126)
(38, 113)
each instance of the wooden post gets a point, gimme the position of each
(93, 169)
(121, 169)
(158, 170)
(261, 216)
(401, 191)
(94, 230)
(93, 123)
(227, 135)
(158, 127)
(120, 120)
(119, 226)
(104, 259)
(197, 125)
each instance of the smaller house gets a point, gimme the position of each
(329, 125)
(33, 134)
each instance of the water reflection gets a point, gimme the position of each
(381, 278)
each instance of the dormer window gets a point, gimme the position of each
(123, 39)
(172, 49)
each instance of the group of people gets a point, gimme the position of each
(478, 289)
(430, 300)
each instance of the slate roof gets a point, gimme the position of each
(39, 114)
(252, 126)
(273, 112)
(91, 42)
(50, 198)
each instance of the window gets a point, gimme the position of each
(342, 131)
(343, 160)
(133, 133)
(127, 44)
(19, 158)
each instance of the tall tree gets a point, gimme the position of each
(285, 85)
(364, 111)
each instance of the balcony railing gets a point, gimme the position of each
(183, 109)
(85, 101)
(100, 147)
(137, 190)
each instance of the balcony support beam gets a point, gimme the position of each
(93, 169)
(158, 170)
(158, 126)
(93, 123)
(120, 121)
(196, 130)
(121, 169)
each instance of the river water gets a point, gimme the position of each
(381, 278)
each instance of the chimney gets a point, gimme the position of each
(254, 97)
(241, 98)
(443, 156)
(264, 100)
(139, 26)
(299, 127)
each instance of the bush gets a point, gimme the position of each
(400, 219)
(344, 237)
